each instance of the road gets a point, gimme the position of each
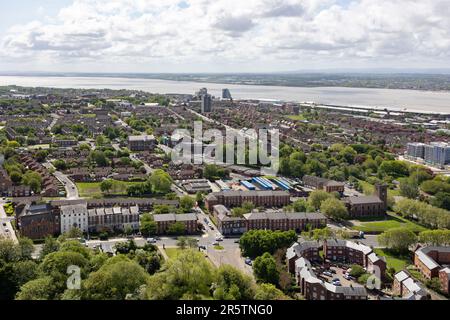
(69, 185)
(6, 228)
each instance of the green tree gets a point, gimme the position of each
(265, 269)
(38, 289)
(409, 188)
(334, 209)
(60, 165)
(148, 227)
(399, 239)
(161, 181)
(106, 185)
(267, 291)
(435, 237)
(231, 284)
(394, 168)
(114, 281)
(254, 243)
(316, 198)
(188, 276)
(176, 228)
(187, 203)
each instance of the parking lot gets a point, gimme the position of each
(338, 273)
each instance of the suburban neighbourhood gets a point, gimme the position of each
(353, 213)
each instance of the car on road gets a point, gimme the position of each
(4, 224)
(236, 241)
(151, 240)
(200, 246)
(248, 261)
(215, 243)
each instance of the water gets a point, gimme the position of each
(407, 100)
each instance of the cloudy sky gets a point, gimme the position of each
(222, 35)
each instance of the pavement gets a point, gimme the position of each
(6, 228)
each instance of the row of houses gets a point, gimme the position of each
(8, 189)
(36, 221)
(227, 224)
(51, 187)
(300, 255)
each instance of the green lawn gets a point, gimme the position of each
(394, 260)
(172, 253)
(392, 221)
(92, 189)
(218, 247)
(296, 117)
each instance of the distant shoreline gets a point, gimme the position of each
(395, 100)
(280, 79)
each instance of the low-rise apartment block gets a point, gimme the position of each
(141, 143)
(237, 198)
(164, 221)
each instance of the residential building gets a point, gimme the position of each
(37, 221)
(226, 94)
(113, 219)
(74, 216)
(206, 103)
(409, 289)
(258, 198)
(226, 223)
(415, 150)
(164, 221)
(141, 143)
(444, 279)
(351, 252)
(437, 153)
(313, 288)
(323, 184)
(307, 249)
(429, 260)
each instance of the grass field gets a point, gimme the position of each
(392, 221)
(394, 260)
(92, 189)
(296, 117)
(172, 253)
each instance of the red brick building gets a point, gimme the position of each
(164, 221)
(258, 198)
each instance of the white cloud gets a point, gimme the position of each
(203, 35)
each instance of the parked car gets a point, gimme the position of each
(333, 271)
(337, 283)
(327, 273)
(215, 243)
(248, 261)
(202, 247)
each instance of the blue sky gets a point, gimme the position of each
(222, 35)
